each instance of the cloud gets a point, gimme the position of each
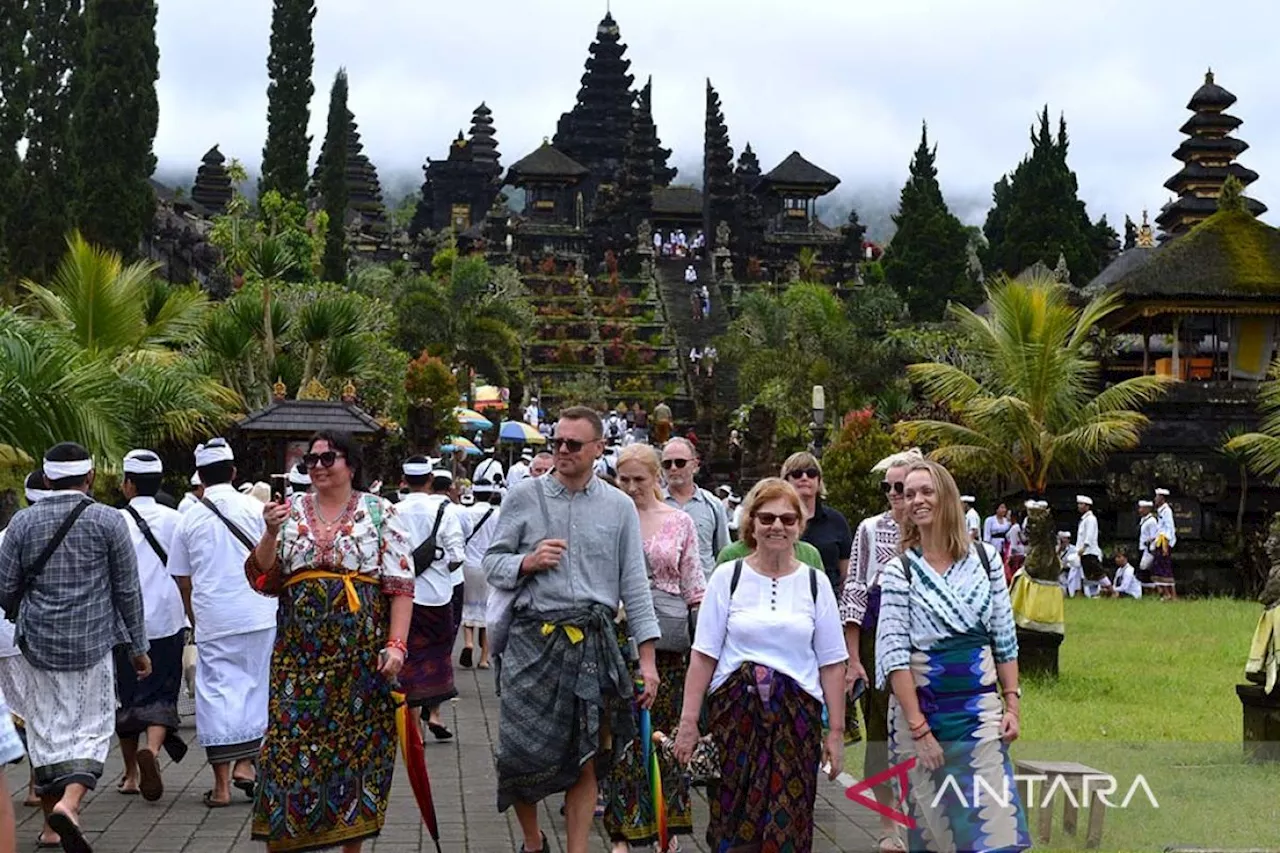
(846, 84)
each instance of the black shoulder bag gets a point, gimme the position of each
(479, 524)
(231, 525)
(148, 535)
(428, 552)
(30, 574)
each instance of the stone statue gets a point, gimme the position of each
(722, 235)
(1264, 652)
(793, 271)
(1036, 595)
(644, 236)
(728, 269)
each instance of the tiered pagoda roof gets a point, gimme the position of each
(796, 173)
(547, 163)
(595, 131)
(484, 142)
(213, 185)
(1208, 156)
(748, 171)
(365, 208)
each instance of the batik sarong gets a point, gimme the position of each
(232, 689)
(565, 685)
(427, 676)
(1162, 568)
(769, 733)
(628, 796)
(330, 748)
(71, 716)
(971, 802)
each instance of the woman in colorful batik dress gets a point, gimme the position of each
(339, 561)
(947, 647)
(768, 652)
(671, 550)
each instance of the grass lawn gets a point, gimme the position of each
(1149, 688)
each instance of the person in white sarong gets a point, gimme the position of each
(1072, 576)
(234, 626)
(482, 522)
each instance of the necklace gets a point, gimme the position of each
(326, 522)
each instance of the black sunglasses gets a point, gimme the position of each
(570, 444)
(811, 473)
(887, 487)
(788, 519)
(668, 464)
(312, 460)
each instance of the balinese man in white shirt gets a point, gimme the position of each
(235, 627)
(1166, 539)
(519, 469)
(436, 536)
(490, 469)
(192, 497)
(1087, 545)
(972, 521)
(1126, 583)
(149, 707)
(1148, 530)
(1072, 576)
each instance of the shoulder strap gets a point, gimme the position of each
(61, 533)
(813, 583)
(737, 573)
(231, 525)
(982, 555)
(716, 509)
(546, 513)
(435, 528)
(479, 524)
(147, 534)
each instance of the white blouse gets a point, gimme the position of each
(772, 622)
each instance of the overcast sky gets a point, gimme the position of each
(846, 83)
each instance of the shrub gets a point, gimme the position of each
(852, 488)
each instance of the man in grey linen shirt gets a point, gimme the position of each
(570, 545)
(679, 465)
(70, 614)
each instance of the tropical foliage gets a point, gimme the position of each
(1260, 450)
(860, 442)
(1029, 403)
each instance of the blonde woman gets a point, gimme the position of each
(946, 646)
(677, 584)
(768, 651)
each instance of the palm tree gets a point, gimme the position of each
(1031, 407)
(1260, 450)
(326, 321)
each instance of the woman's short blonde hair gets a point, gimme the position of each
(804, 459)
(768, 489)
(646, 456)
(948, 512)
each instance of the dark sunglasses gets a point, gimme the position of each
(572, 445)
(887, 487)
(811, 473)
(788, 519)
(668, 464)
(313, 460)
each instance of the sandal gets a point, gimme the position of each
(211, 803)
(150, 783)
(41, 844)
(73, 840)
(890, 844)
(440, 732)
(245, 785)
(120, 789)
(464, 659)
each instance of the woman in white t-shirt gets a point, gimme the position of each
(768, 651)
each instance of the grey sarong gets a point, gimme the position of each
(556, 696)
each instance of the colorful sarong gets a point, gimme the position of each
(769, 733)
(330, 748)
(628, 811)
(958, 693)
(427, 676)
(1162, 568)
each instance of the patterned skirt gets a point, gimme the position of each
(769, 753)
(953, 806)
(1162, 568)
(427, 677)
(628, 810)
(151, 701)
(330, 749)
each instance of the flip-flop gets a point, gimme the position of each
(120, 789)
(41, 844)
(246, 785)
(482, 665)
(211, 803)
(150, 783)
(464, 659)
(440, 732)
(73, 840)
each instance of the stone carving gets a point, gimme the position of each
(1042, 545)
(1263, 666)
(792, 271)
(644, 237)
(1036, 595)
(722, 235)
(1145, 474)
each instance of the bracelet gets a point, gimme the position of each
(397, 643)
(923, 724)
(922, 734)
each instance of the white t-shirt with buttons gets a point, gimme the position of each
(772, 622)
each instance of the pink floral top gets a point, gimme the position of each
(371, 541)
(674, 564)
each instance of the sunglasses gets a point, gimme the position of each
(811, 473)
(887, 487)
(314, 460)
(788, 519)
(572, 445)
(668, 464)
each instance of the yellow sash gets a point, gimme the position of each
(574, 633)
(348, 580)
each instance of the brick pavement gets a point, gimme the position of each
(462, 777)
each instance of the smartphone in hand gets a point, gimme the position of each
(278, 482)
(859, 687)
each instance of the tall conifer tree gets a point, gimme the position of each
(115, 123)
(15, 83)
(333, 180)
(926, 261)
(51, 174)
(287, 153)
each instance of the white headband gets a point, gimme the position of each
(1035, 504)
(34, 495)
(1084, 499)
(1145, 504)
(211, 453)
(1064, 534)
(442, 474)
(142, 462)
(416, 469)
(1162, 492)
(297, 478)
(967, 499)
(62, 470)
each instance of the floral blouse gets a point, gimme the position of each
(674, 563)
(372, 541)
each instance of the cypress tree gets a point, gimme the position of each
(288, 149)
(927, 261)
(332, 170)
(15, 82)
(51, 174)
(115, 123)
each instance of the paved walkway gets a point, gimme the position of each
(462, 778)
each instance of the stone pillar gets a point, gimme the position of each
(1261, 716)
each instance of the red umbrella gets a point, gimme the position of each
(415, 762)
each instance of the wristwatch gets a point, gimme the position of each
(1016, 692)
